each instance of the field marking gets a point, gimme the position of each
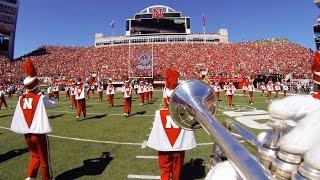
(99, 113)
(147, 157)
(143, 144)
(133, 176)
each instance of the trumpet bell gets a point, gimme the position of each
(185, 101)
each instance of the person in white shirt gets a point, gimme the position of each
(230, 89)
(100, 92)
(110, 92)
(127, 98)
(270, 89)
(81, 100)
(285, 89)
(2, 98)
(30, 119)
(250, 92)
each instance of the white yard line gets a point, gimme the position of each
(133, 176)
(99, 113)
(147, 157)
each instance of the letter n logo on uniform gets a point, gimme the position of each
(27, 103)
(157, 13)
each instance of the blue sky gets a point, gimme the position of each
(75, 22)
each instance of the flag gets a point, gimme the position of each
(112, 23)
(204, 21)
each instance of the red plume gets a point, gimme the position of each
(29, 69)
(171, 78)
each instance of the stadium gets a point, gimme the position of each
(111, 143)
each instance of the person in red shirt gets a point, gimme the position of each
(30, 119)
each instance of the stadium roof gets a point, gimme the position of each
(149, 9)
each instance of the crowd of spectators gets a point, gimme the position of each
(228, 60)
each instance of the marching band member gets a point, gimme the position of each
(270, 89)
(81, 100)
(217, 89)
(10, 91)
(49, 91)
(167, 138)
(87, 90)
(30, 119)
(127, 98)
(250, 92)
(141, 93)
(92, 88)
(110, 93)
(73, 94)
(55, 91)
(263, 88)
(277, 88)
(225, 87)
(67, 91)
(285, 89)
(244, 89)
(150, 89)
(100, 92)
(2, 98)
(230, 89)
(146, 92)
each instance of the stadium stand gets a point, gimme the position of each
(221, 60)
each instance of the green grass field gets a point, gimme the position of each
(72, 159)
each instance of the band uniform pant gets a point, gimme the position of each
(111, 99)
(39, 148)
(230, 100)
(250, 93)
(100, 96)
(3, 101)
(269, 95)
(170, 163)
(81, 107)
(127, 105)
(141, 95)
(146, 96)
(73, 101)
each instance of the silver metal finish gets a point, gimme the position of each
(189, 109)
(281, 169)
(243, 132)
(306, 171)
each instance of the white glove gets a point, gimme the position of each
(293, 107)
(312, 157)
(222, 171)
(306, 111)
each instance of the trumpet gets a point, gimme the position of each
(193, 106)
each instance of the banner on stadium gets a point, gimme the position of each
(141, 61)
(225, 79)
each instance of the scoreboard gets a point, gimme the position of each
(157, 20)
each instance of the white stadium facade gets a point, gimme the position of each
(159, 24)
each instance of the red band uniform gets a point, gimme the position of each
(30, 118)
(110, 93)
(73, 95)
(100, 92)
(250, 92)
(169, 139)
(141, 93)
(81, 100)
(127, 98)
